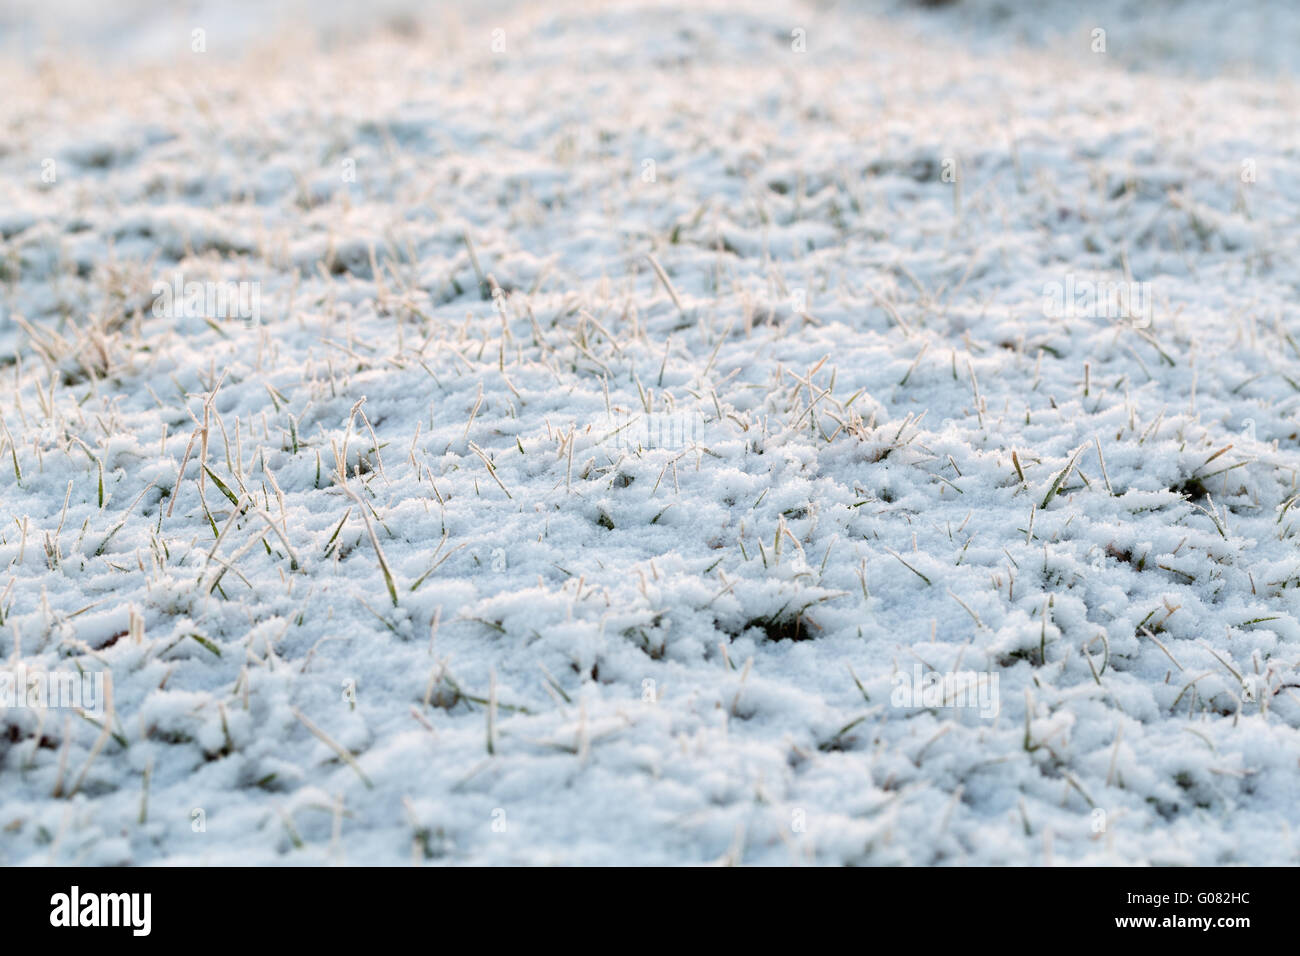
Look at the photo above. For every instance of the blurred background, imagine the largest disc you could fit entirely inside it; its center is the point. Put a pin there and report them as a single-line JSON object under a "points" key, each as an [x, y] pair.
{"points": [[1197, 37]]}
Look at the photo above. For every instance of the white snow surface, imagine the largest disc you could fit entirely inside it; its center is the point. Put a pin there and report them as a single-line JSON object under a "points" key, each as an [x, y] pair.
{"points": [[605, 654]]}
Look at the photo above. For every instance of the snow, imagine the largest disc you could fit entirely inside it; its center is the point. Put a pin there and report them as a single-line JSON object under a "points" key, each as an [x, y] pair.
{"points": [[677, 642]]}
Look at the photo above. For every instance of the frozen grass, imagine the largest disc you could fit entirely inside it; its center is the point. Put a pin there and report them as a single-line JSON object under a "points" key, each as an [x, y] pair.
{"points": [[384, 578]]}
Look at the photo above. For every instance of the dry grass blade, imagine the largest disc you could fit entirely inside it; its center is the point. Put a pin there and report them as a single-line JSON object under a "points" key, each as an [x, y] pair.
{"points": [[374, 541], [1062, 476], [333, 745]]}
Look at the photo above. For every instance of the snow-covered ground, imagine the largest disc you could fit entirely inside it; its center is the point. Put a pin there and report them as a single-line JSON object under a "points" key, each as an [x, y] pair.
{"points": [[392, 570]]}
